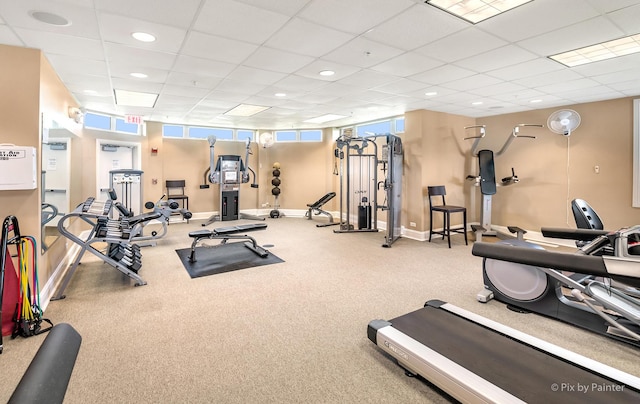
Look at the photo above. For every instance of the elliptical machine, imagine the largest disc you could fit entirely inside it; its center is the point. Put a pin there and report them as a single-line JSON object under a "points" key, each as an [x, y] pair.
{"points": [[530, 279]]}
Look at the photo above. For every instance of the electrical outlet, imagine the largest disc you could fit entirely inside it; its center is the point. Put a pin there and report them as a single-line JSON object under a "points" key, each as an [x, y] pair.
{"points": [[596, 169], [412, 224]]}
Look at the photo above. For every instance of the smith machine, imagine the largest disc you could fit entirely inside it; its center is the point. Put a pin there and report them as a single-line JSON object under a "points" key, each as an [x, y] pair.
{"points": [[359, 185], [486, 178], [230, 171]]}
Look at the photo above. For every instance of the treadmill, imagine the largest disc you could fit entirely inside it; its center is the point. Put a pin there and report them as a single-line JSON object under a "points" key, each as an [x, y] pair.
{"points": [[477, 360]]}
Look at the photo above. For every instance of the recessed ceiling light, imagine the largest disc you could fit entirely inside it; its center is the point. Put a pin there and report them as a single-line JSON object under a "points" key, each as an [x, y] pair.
{"points": [[477, 10], [246, 110], [325, 118], [431, 93], [327, 73], [280, 94], [601, 51], [535, 101], [139, 75], [50, 18], [143, 37], [476, 103], [90, 92], [135, 99]]}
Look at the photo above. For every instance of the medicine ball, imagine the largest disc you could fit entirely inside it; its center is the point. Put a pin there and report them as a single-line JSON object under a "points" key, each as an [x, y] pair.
{"points": [[276, 165], [276, 173], [275, 181], [274, 214], [275, 191]]}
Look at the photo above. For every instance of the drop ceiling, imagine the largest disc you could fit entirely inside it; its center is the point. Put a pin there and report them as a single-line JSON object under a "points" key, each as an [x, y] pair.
{"points": [[387, 55]]}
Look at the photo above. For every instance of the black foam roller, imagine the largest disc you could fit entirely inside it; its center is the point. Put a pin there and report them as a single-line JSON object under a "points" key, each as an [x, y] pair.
{"points": [[47, 377]]}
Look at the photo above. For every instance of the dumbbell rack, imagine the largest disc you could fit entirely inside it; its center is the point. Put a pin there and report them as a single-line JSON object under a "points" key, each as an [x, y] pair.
{"points": [[120, 252]]}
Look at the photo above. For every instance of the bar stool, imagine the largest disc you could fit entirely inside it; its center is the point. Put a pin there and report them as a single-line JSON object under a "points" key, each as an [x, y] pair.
{"points": [[447, 210]]}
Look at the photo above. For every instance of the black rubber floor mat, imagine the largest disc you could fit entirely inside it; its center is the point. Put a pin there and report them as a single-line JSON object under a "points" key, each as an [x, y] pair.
{"points": [[222, 258]]}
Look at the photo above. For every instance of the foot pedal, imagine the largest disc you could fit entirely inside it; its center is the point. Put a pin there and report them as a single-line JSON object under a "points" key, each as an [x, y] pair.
{"points": [[484, 296]]}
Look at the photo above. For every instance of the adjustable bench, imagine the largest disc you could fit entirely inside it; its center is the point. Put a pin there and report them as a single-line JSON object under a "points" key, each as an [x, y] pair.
{"points": [[229, 233], [316, 208]]}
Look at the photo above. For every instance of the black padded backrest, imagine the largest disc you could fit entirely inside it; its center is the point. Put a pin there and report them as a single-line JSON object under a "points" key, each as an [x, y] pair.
{"points": [[487, 172], [585, 216]]}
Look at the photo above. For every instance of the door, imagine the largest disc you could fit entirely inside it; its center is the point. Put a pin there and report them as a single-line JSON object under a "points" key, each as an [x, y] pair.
{"points": [[117, 155]]}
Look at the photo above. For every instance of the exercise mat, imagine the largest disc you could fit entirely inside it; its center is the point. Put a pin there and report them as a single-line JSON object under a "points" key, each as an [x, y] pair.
{"points": [[222, 258]]}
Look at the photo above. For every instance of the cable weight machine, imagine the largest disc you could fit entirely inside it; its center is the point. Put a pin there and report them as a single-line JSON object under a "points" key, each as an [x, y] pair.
{"points": [[360, 160], [229, 171]]}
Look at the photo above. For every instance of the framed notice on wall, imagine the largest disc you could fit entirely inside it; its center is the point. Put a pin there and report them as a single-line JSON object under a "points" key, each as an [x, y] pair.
{"points": [[17, 167]]}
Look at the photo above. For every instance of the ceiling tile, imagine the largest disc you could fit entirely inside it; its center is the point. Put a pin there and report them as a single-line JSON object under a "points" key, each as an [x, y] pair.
{"points": [[497, 58], [254, 75], [313, 69], [306, 38], [443, 74], [627, 18], [243, 22], [368, 79], [118, 29], [363, 52], [407, 64], [174, 13], [192, 80], [139, 57], [277, 60], [204, 67], [416, 27], [287, 7], [217, 48], [355, 16], [62, 44], [536, 18], [585, 33], [526, 69], [462, 44]]}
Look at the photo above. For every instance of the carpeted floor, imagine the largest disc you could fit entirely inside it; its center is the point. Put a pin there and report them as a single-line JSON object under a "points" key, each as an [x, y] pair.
{"points": [[295, 333]]}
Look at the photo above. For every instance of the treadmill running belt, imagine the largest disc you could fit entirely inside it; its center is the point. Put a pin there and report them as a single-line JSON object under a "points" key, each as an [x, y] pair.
{"points": [[494, 357]]}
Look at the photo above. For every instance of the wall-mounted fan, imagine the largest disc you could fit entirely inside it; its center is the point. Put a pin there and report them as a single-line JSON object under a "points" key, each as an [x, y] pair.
{"points": [[563, 121], [266, 139]]}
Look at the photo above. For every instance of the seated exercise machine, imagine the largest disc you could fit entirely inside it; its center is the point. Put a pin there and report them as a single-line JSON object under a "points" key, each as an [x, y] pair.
{"points": [[119, 235], [229, 233], [316, 209], [486, 178], [530, 279], [477, 360], [230, 172]]}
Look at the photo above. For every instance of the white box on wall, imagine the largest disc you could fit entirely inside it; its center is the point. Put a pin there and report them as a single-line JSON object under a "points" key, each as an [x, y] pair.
{"points": [[18, 167]]}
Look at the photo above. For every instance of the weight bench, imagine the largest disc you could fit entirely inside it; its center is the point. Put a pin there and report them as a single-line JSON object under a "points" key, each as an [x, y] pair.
{"points": [[229, 233], [316, 208]]}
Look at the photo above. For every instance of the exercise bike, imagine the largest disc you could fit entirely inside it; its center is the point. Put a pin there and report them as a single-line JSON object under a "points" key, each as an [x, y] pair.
{"points": [[597, 293]]}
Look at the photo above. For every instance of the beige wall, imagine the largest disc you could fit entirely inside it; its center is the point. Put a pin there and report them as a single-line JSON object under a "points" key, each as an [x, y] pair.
{"points": [[20, 117], [30, 87], [553, 169]]}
